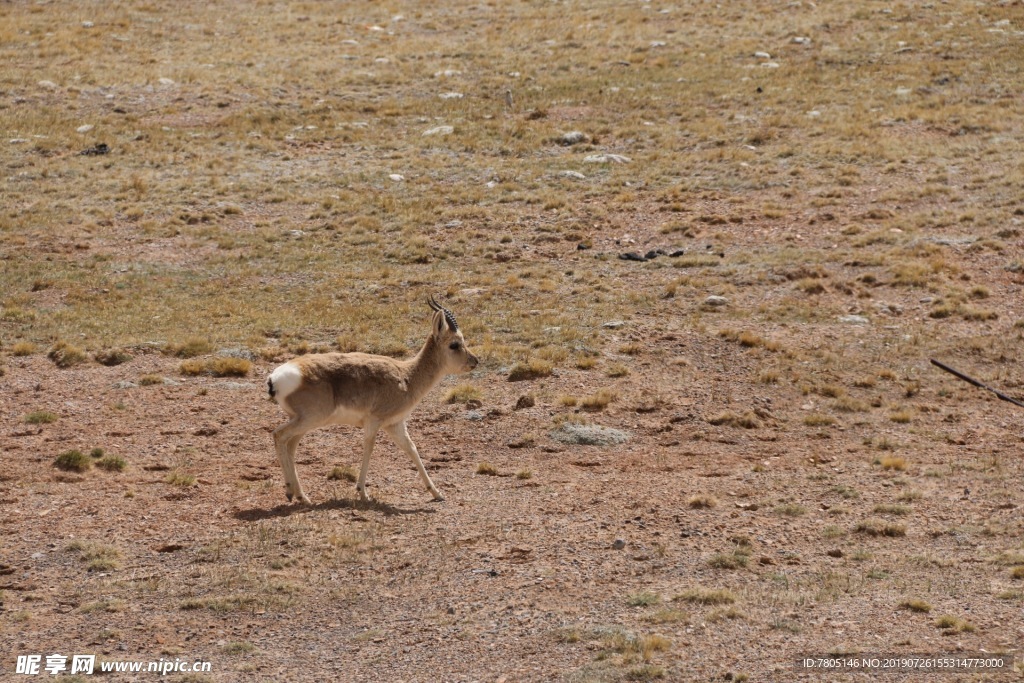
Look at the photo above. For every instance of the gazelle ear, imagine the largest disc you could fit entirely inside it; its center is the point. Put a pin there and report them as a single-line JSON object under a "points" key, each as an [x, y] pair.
{"points": [[439, 323]]}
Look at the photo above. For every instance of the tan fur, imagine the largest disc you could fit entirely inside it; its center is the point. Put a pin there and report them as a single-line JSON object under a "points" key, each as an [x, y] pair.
{"points": [[368, 391]]}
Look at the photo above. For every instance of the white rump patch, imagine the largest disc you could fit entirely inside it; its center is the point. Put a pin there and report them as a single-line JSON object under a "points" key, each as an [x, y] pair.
{"points": [[286, 379]]}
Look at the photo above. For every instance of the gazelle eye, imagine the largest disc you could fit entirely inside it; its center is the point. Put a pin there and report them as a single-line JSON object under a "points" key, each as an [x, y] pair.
{"points": [[454, 346]]}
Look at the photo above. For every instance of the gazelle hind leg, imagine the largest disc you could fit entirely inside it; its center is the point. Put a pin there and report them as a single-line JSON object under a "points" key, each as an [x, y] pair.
{"points": [[400, 434], [286, 440]]}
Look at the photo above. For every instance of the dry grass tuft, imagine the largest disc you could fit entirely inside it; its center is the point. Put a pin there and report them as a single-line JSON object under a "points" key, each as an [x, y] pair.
{"points": [[217, 367], [112, 357], [598, 400], [343, 473], [190, 348], [534, 368], [463, 393], [892, 462], [728, 418], [706, 596], [878, 527], [916, 606], [702, 502], [64, 355], [73, 461]]}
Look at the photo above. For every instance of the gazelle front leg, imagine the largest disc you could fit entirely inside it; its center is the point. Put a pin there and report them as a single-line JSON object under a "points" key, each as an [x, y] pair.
{"points": [[400, 434], [369, 437]]}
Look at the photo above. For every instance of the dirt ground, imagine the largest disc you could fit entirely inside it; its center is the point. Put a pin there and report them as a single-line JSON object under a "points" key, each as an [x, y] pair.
{"points": [[508, 579]]}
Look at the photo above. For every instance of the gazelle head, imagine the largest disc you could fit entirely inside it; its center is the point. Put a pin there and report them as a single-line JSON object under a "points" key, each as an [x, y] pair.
{"points": [[448, 337]]}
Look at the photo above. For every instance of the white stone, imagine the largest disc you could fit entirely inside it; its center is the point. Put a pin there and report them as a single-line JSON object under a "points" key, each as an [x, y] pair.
{"points": [[853, 319], [439, 130], [397, 177], [762, 55], [716, 301], [606, 158], [575, 175], [49, 85], [451, 96], [85, 128]]}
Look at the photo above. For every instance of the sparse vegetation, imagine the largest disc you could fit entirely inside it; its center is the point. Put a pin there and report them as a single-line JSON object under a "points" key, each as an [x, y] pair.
{"points": [[343, 473], [463, 393], [180, 478], [112, 463], [702, 501], [97, 556], [64, 355], [707, 596], [487, 468], [876, 527], [111, 357], [40, 417], [73, 461], [916, 606], [643, 599], [534, 368], [217, 367]]}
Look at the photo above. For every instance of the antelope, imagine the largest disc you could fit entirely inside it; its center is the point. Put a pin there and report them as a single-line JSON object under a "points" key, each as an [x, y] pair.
{"points": [[364, 390]]}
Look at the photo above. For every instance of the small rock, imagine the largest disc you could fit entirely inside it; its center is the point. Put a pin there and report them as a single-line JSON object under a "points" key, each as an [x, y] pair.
{"points": [[397, 177], [632, 256], [853, 319], [802, 40], [589, 435], [606, 158], [87, 24], [85, 128], [835, 553], [474, 415], [525, 441], [205, 431], [574, 137], [575, 175], [125, 384], [447, 73], [762, 55], [526, 401], [49, 85], [439, 130], [451, 96], [654, 253], [677, 253], [716, 301], [614, 324], [770, 65], [618, 544], [166, 81], [96, 150], [236, 352], [234, 386], [582, 246], [17, 141]]}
